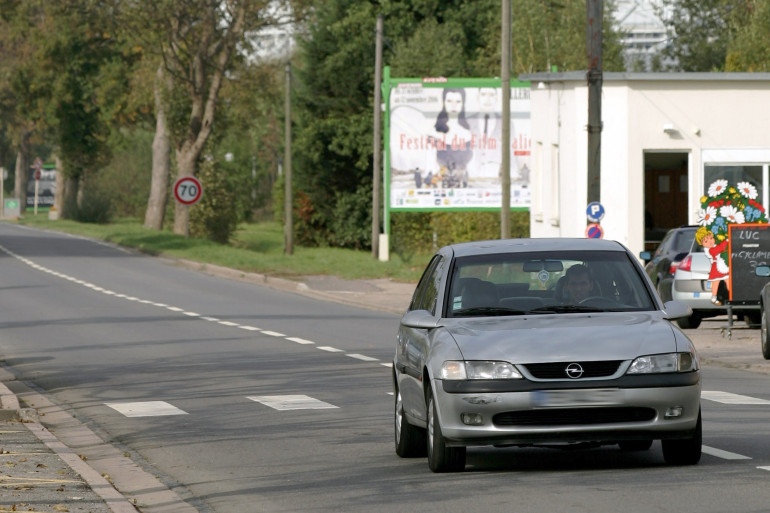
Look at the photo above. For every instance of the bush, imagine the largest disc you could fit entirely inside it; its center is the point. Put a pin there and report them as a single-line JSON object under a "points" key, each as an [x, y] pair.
{"points": [[94, 207], [215, 216]]}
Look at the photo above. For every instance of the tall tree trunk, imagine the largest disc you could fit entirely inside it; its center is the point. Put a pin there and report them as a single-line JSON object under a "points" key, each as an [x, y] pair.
{"points": [[22, 172], [161, 159], [186, 159], [70, 197]]}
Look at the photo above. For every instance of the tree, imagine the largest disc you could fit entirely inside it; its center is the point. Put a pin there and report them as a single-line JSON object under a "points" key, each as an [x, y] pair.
{"points": [[699, 32], [749, 49], [196, 40]]}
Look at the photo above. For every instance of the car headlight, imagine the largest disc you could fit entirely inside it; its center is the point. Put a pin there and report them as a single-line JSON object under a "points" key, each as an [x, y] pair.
{"points": [[459, 370], [660, 363]]}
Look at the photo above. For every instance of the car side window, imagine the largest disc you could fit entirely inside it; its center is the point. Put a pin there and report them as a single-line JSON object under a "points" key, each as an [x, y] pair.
{"points": [[426, 295]]}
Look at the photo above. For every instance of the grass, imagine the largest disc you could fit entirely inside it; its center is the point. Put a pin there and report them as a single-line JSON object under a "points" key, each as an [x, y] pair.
{"points": [[255, 247]]}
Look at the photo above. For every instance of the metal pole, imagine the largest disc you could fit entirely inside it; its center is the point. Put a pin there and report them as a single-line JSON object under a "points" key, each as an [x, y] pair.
{"points": [[594, 46], [288, 228], [376, 157], [505, 171]]}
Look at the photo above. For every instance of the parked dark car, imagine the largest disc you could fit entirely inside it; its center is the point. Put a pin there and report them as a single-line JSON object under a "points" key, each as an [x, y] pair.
{"points": [[764, 305], [661, 265]]}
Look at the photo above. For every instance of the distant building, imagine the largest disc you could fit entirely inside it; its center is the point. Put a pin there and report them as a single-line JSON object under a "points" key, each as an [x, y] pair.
{"points": [[644, 34]]}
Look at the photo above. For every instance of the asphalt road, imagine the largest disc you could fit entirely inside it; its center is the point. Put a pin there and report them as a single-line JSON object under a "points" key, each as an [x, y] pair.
{"points": [[243, 398]]}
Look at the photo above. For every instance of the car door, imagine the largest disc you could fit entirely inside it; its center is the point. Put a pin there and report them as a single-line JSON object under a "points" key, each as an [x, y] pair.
{"points": [[414, 343]]}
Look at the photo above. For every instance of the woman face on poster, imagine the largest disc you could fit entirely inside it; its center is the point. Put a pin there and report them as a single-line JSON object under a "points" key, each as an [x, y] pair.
{"points": [[452, 110]]}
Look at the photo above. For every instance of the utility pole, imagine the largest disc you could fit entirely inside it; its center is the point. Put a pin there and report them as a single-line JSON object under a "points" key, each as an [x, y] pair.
{"points": [[376, 157], [505, 75], [288, 227], [594, 46]]}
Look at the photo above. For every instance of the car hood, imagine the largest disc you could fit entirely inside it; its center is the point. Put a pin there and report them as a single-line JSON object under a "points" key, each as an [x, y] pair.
{"points": [[555, 338]]}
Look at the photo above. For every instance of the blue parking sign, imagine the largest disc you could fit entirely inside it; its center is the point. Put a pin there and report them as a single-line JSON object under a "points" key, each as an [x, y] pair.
{"points": [[595, 212]]}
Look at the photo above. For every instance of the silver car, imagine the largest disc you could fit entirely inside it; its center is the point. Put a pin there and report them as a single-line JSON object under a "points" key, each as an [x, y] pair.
{"points": [[499, 348]]}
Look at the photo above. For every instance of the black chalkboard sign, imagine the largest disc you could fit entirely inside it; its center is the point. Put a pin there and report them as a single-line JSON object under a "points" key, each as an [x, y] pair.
{"points": [[749, 247]]}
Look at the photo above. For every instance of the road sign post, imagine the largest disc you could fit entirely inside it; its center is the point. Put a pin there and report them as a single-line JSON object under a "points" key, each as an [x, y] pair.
{"points": [[187, 191], [37, 165]]}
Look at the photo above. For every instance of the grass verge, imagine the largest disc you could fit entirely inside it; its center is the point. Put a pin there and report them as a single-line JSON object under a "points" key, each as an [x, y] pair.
{"points": [[255, 247]]}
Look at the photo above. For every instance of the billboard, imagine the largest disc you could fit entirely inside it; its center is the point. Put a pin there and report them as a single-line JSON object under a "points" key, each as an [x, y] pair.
{"points": [[444, 144]]}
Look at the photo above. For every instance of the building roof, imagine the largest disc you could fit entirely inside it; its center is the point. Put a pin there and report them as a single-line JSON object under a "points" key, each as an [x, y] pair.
{"points": [[619, 76]]}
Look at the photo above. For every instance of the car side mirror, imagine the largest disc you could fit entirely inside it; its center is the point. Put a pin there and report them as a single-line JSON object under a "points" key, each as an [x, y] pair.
{"points": [[646, 256], [420, 319], [763, 271], [676, 310]]}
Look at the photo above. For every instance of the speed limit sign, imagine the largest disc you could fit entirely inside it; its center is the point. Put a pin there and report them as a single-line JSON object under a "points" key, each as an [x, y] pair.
{"points": [[187, 190]]}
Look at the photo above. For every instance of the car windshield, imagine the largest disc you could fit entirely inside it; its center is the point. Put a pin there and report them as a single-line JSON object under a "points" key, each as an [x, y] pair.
{"points": [[545, 283]]}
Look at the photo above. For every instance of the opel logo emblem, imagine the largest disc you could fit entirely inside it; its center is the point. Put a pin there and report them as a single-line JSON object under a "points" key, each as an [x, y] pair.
{"points": [[574, 370]]}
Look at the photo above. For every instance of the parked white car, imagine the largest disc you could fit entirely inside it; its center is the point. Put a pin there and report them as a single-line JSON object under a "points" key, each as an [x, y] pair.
{"points": [[692, 287]]}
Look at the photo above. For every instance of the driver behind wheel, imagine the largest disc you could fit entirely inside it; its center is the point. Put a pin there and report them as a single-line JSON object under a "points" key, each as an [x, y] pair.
{"points": [[579, 284]]}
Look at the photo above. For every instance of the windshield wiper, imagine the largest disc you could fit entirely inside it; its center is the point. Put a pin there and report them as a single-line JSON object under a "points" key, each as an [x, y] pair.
{"points": [[479, 311], [569, 309]]}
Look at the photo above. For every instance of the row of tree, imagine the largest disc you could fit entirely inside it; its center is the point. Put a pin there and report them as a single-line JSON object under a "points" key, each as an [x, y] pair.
{"points": [[128, 95]]}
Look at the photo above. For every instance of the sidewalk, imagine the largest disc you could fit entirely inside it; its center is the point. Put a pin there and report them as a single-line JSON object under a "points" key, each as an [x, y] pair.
{"points": [[40, 471]]}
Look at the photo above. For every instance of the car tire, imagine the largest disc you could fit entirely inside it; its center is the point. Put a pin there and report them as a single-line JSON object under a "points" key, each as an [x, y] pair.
{"points": [[765, 335], [410, 440], [689, 323], [635, 445], [684, 451], [440, 457]]}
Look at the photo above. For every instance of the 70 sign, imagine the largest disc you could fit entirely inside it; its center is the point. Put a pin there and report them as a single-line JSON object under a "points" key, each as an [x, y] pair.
{"points": [[187, 190]]}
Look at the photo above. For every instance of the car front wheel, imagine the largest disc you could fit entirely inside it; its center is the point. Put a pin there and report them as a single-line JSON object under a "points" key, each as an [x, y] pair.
{"points": [[440, 457], [764, 334], [410, 440], [689, 323], [685, 451]]}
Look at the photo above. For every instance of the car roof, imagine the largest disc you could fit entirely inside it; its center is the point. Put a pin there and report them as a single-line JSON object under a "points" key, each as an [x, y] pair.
{"points": [[526, 245]]}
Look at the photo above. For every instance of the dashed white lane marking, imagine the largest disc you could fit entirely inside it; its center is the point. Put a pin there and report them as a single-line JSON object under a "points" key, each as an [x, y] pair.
{"points": [[763, 468], [146, 409], [388, 364], [362, 357], [300, 340], [276, 334], [291, 402], [725, 455], [728, 398]]}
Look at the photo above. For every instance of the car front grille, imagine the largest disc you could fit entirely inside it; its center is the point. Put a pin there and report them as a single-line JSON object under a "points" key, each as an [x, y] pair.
{"points": [[559, 370], [573, 416]]}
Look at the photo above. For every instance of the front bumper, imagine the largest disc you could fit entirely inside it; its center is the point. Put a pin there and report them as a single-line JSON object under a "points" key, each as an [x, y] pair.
{"points": [[600, 414]]}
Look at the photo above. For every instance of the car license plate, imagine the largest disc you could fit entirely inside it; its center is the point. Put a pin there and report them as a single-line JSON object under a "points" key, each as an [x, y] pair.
{"points": [[587, 397]]}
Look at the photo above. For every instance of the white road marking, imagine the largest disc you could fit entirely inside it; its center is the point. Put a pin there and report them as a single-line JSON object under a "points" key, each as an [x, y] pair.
{"points": [[273, 333], [728, 398], [300, 340], [763, 468], [212, 319], [291, 402], [249, 328], [175, 309], [146, 409], [719, 453], [362, 357], [192, 314], [228, 323], [330, 349], [389, 365]]}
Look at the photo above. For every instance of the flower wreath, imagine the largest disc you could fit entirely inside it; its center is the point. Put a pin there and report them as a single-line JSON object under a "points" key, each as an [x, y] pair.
{"points": [[727, 205]]}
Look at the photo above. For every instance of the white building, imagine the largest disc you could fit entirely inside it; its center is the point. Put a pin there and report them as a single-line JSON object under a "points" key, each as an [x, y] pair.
{"points": [[666, 137]]}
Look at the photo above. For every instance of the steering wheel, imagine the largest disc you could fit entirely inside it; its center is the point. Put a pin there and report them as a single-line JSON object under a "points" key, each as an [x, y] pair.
{"points": [[598, 301]]}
